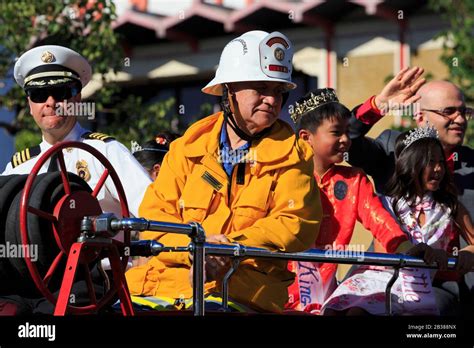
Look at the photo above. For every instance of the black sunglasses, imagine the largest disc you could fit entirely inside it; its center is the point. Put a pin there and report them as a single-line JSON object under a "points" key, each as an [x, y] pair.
{"points": [[40, 95]]}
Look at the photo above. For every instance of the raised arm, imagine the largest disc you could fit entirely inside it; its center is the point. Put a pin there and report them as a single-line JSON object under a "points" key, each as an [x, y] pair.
{"points": [[375, 156]]}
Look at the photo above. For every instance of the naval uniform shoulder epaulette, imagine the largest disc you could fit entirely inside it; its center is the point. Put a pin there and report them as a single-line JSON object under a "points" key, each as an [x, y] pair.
{"points": [[25, 155], [98, 136]]}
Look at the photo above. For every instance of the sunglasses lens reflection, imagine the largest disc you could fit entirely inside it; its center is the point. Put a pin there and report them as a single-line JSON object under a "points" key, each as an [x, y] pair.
{"points": [[40, 95]]}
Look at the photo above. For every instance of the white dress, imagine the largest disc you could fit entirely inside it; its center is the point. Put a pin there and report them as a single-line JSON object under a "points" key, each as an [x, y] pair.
{"points": [[412, 293]]}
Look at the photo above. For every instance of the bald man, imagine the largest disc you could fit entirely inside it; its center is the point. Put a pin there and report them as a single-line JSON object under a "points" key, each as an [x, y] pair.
{"points": [[440, 103]]}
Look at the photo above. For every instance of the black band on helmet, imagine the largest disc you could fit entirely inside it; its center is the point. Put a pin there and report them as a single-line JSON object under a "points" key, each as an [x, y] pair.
{"points": [[285, 97]]}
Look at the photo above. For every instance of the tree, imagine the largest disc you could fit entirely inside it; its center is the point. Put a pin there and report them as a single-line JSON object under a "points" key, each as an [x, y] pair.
{"points": [[86, 27], [458, 53], [83, 25], [134, 120]]}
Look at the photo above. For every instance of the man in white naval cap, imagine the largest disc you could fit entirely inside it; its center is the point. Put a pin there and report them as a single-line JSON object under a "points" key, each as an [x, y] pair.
{"points": [[52, 77]]}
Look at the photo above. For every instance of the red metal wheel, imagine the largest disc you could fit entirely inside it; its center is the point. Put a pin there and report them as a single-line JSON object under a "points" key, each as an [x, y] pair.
{"points": [[65, 220]]}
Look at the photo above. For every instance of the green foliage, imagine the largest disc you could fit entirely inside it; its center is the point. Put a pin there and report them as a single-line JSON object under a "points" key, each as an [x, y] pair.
{"points": [[131, 120], [29, 134], [206, 109], [469, 138], [84, 26], [459, 56], [27, 139]]}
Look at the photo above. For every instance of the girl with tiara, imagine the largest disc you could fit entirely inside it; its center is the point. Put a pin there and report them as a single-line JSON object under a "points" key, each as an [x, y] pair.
{"points": [[151, 154], [422, 198]]}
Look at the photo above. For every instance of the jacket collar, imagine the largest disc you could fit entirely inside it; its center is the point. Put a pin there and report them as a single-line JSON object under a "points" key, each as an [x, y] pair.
{"points": [[323, 179], [73, 135], [276, 150], [203, 136]]}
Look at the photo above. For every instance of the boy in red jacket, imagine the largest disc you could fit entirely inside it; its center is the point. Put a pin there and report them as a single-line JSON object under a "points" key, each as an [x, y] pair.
{"points": [[347, 196]]}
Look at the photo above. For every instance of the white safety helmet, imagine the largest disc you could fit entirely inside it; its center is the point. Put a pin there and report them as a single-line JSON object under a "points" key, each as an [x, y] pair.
{"points": [[254, 56]]}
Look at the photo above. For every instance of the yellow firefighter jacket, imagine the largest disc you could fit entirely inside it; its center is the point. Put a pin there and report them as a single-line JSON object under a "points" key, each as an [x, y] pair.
{"points": [[274, 205]]}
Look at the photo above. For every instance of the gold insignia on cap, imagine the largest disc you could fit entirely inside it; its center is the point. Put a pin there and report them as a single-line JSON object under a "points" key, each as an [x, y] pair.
{"points": [[47, 57], [83, 170]]}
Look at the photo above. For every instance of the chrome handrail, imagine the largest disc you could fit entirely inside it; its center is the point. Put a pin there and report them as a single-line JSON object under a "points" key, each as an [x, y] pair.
{"points": [[199, 248], [397, 261], [319, 255]]}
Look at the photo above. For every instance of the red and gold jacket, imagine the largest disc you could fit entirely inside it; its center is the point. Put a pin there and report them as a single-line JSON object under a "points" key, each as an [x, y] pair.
{"points": [[347, 196]]}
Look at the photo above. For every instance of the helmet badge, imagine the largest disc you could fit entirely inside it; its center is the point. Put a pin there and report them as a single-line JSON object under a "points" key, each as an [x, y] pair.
{"points": [[279, 54]]}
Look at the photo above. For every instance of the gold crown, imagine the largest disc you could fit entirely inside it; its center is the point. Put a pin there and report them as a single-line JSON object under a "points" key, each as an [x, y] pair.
{"points": [[328, 95]]}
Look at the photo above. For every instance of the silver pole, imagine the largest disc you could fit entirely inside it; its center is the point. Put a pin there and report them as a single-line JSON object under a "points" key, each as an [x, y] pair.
{"points": [[317, 255], [225, 283], [140, 224], [197, 246], [199, 249]]}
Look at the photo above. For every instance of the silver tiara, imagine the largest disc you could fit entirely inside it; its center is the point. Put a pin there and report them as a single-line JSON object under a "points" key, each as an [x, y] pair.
{"points": [[135, 147], [420, 133]]}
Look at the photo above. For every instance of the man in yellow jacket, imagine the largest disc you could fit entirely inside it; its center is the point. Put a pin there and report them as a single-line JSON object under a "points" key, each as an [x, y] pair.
{"points": [[243, 175]]}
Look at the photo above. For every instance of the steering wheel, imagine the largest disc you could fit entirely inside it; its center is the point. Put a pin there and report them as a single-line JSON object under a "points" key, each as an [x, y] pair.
{"points": [[64, 220]]}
